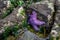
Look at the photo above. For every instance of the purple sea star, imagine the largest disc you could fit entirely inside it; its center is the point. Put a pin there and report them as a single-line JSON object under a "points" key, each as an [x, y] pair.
{"points": [[34, 21]]}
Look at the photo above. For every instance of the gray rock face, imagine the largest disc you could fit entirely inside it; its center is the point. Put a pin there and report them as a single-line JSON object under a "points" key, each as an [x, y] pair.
{"points": [[42, 8], [30, 36], [11, 19]]}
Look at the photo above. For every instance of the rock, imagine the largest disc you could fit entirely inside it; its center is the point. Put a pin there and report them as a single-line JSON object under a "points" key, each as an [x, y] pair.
{"points": [[41, 8], [11, 19], [27, 35]]}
